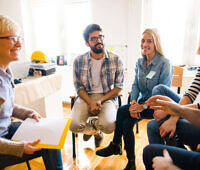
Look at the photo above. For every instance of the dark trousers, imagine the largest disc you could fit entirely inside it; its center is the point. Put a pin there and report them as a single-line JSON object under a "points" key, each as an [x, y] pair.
{"points": [[51, 157], [124, 127], [182, 158]]}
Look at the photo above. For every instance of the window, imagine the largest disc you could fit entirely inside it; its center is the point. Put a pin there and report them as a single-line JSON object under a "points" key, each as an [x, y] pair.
{"points": [[55, 27], [178, 24]]}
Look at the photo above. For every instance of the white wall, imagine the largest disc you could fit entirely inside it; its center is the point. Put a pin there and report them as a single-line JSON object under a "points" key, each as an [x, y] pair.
{"points": [[119, 19], [13, 9], [121, 24], [113, 17]]}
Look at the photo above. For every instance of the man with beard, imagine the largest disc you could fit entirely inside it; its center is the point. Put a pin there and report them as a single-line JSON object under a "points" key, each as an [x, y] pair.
{"points": [[98, 79]]}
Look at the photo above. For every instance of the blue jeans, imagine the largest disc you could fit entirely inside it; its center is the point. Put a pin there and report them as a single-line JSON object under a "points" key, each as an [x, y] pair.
{"points": [[51, 157], [182, 158], [124, 127], [187, 133]]}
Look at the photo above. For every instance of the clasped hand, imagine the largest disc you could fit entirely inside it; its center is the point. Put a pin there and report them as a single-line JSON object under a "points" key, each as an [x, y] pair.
{"points": [[135, 109], [95, 107]]}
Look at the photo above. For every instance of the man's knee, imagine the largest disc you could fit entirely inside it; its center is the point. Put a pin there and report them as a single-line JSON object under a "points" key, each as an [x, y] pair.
{"points": [[157, 90], [107, 128], [76, 127]]}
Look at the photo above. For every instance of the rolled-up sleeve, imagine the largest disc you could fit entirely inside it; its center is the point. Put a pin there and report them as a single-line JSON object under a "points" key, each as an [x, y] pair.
{"points": [[135, 90], [77, 76], [119, 75], [194, 89]]}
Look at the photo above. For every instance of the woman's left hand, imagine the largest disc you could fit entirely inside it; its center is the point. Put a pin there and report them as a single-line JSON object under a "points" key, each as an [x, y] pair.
{"points": [[135, 110], [136, 107], [36, 116]]}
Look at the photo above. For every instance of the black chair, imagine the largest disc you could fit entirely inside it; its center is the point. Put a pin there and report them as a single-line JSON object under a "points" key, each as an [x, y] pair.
{"points": [[76, 135], [21, 161]]}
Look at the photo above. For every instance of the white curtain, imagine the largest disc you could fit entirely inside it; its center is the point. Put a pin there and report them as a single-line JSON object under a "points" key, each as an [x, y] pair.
{"points": [[178, 24]]}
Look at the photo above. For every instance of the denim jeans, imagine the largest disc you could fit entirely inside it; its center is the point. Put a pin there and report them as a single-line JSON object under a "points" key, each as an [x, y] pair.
{"points": [[124, 127], [51, 157], [187, 133], [166, 91], [182, 158]]}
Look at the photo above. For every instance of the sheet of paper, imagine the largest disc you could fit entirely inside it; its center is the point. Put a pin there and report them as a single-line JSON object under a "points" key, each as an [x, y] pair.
{"points": [[48, 130]]}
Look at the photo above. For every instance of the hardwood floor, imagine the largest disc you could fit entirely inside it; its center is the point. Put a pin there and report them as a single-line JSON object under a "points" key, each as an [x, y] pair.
{"points": [[86, 157]]}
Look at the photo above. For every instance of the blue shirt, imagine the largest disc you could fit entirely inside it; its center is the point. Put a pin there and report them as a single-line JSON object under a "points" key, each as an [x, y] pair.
{"points": [[7, 93], [111, 75], [142, 86]]}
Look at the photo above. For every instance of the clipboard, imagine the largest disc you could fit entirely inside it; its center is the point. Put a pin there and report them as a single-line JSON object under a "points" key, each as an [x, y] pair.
{"points": [[1, 101], [51, 131]]}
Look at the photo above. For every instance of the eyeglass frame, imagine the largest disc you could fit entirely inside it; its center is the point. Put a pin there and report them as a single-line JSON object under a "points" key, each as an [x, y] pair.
{"points": [[15, 39], [95, 39]]}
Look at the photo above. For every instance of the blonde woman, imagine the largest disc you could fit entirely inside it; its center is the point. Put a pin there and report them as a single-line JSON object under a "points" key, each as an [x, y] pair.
{"points": [[151, 69], [16, 152]]}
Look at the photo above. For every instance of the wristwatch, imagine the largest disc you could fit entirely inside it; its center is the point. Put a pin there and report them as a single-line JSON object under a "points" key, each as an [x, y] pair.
{"points": [[145, 106]]}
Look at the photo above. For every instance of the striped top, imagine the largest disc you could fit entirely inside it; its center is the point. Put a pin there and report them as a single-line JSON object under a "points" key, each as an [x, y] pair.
{"points": [[194, 88]]}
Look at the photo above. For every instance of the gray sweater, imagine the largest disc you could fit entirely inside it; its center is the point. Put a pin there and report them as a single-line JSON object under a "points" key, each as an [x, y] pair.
{"points": [[9, 147]]}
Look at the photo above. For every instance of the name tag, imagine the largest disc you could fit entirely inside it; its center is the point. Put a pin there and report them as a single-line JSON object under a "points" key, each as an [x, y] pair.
{"points": [[150, 75]]}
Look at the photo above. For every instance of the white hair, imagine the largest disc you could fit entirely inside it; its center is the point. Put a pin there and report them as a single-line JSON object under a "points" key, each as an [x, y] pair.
{"points": [[7, 24]]}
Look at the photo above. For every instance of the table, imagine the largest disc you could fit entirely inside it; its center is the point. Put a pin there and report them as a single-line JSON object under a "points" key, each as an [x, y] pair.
{"points": [[42, 94]]}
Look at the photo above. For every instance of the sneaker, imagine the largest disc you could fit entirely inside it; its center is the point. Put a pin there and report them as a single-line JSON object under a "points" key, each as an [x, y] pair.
{"points": [[130, 165], [111, 149], [91, 121], [86, 137], [98, 138]]}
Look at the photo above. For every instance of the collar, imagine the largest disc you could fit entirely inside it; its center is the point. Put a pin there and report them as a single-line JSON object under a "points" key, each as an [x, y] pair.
{"points": [[6, 74], [105, 55], [155, 60]]}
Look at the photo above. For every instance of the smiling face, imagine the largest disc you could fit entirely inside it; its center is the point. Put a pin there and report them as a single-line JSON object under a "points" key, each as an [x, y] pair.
{"points": [[95, 42], [147, 45], [10, 46]]}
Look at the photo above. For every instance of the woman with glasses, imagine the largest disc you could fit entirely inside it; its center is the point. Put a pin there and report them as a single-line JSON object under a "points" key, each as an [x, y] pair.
{"points": [[151, 69], [16, 152]]}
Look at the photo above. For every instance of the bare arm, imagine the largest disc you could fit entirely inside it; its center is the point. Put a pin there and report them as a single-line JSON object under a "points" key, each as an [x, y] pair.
{"points": [[111, 94], [169, 126], [184, 101], [188, 112], [84, 95]]}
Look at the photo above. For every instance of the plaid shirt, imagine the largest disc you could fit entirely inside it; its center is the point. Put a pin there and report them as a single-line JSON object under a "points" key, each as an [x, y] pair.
{"points": [[112, 72]]}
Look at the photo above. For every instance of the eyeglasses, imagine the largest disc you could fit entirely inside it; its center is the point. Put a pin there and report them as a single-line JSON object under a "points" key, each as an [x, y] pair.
{"points": [[15, 39], [95, 39]]}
